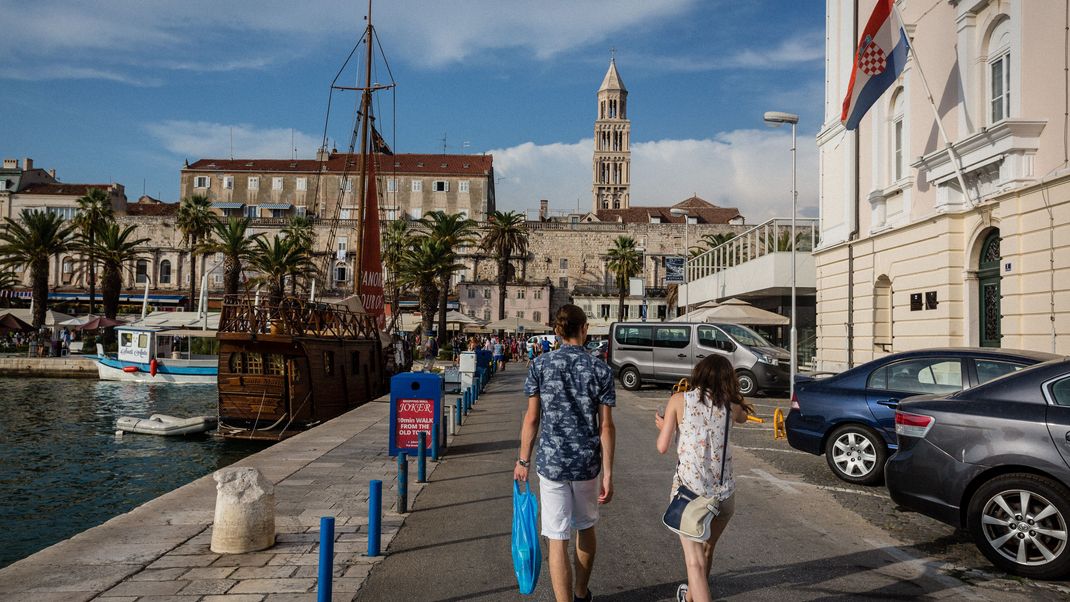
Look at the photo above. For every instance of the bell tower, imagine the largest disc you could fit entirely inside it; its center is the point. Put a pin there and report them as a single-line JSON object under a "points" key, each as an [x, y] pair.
{"points": [[612, 139]]}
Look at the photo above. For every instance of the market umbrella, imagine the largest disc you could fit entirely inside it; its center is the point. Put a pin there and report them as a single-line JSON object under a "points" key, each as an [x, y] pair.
{"points": [[736, 311], [90, 322], [695, 315], [455, 317], [52, 318], [11, 323], [515, 324]]}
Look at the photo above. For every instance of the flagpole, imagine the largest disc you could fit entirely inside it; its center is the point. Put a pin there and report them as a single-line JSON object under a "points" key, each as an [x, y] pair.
{"points": [[955, 162]]}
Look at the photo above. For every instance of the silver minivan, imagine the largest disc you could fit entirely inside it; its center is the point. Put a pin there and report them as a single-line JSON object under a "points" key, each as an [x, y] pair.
{"points": [[665, 352]]}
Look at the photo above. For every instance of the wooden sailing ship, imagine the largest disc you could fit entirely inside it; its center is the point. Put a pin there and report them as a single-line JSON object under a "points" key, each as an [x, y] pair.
{"points": [[287, 365]]}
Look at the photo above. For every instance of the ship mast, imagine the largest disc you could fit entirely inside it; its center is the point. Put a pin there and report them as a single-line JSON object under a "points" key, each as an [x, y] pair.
{"points": [[364, 115], [365, 111]]}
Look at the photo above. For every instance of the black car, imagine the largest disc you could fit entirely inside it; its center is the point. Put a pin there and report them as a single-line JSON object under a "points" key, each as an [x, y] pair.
{"points": [[995, 460], [850, 417]]}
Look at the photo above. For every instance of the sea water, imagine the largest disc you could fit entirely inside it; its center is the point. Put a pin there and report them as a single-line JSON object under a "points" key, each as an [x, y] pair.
{"points": [[64, 470]]}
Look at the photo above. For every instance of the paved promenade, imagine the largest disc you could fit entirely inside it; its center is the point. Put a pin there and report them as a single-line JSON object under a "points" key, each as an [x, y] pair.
{"points": [[783, 544]]}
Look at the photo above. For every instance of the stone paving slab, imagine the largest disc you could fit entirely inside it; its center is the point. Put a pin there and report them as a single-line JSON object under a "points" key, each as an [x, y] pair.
{"points": [[160, 550]]}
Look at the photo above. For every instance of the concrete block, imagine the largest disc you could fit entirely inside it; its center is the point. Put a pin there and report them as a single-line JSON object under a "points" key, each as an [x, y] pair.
{"points": [[244, 511]]}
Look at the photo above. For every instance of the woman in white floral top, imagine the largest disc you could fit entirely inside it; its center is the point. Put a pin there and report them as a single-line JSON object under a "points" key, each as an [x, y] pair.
{"points": [[701, 417]]}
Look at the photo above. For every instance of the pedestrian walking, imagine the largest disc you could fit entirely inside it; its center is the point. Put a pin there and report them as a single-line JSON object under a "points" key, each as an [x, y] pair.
{"points": [[499, 354], [570, 410], [704, 460]]}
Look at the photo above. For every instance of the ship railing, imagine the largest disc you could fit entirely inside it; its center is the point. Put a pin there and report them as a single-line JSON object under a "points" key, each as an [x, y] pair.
{"points": [[293, 317]]}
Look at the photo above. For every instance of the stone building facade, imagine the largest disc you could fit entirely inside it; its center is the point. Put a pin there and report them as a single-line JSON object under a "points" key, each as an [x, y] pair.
{"points": [[409, 185], [479, 300], [907, 258]]}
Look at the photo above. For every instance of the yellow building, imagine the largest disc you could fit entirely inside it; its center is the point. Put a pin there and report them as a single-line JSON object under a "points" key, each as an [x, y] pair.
{"points": [[908, 259]]}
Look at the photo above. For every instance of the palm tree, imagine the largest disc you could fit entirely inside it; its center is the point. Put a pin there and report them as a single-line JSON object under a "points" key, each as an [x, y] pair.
{"points": [[301, 231], [395, 241], [31, 241], [115, 249], [421, 267], [455, 230], [195, 221], [625, 260], [94, 209], [233, 241], [506, 236], [717, 239], [8, 281], [276, 260]]}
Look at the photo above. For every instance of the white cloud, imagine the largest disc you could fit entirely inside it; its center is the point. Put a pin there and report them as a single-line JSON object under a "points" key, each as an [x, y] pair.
{"points": [[202, 140], [801, 49], [746, 169], [211, 35]]}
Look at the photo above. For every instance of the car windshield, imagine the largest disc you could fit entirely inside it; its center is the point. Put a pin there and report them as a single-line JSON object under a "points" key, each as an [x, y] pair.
{"points": [[745, 336]]}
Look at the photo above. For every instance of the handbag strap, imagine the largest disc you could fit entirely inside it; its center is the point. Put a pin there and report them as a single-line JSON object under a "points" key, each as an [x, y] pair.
{"points": [[724, 451]]}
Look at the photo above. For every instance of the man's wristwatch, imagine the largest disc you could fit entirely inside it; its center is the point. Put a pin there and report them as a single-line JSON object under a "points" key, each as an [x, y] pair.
{"points": [[523, 463]]}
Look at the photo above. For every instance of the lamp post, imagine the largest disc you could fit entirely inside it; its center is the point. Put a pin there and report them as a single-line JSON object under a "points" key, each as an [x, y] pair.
{"points": [[775, 118], [687, 281]]}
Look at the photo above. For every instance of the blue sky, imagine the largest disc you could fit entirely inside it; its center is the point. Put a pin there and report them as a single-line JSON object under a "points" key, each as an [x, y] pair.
{"points": [[125, 90]]}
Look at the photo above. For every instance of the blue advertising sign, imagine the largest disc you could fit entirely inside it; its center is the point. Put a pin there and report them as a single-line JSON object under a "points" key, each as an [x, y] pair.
{"points": [[674, 270], [415, 407]]}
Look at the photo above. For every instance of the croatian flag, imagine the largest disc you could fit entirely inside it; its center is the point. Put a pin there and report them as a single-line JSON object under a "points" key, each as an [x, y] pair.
{"points": [[879, 59]]}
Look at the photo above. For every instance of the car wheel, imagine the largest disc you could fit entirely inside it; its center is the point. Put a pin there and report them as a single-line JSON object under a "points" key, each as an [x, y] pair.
{"points": [[1019, 522], [748, 385], [629, 379], [856, 454]]}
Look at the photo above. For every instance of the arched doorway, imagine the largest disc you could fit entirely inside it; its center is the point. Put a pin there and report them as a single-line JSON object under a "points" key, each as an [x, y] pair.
{"points": [[988, 293]]}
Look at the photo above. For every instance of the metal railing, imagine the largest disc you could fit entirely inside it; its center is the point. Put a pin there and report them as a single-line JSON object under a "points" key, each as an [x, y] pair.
{"points": [[294, 317], [773, 236]]}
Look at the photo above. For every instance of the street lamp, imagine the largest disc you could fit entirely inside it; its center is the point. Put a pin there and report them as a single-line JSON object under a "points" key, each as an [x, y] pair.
{"points": [[687, 284], [775, 118]]}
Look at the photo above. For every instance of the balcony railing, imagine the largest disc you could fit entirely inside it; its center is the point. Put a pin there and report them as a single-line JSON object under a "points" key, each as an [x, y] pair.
{"points": [[773, 236]]}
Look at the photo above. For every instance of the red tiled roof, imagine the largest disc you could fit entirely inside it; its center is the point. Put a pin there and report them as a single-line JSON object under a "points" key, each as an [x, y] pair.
{"points": [[407, 163], [704, 211], [59, 188], [152, 209]]}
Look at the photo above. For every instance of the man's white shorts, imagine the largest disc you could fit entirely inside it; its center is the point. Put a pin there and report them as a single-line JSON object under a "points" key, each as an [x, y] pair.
{"points": [[568, 505]]}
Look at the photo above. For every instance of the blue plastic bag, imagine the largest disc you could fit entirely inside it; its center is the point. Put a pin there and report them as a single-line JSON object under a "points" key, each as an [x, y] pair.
{"points": [[527, 557]]}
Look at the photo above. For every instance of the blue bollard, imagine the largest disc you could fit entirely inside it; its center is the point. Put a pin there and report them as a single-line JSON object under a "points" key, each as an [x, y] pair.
{"points": [[421, 457], [435, 430], [403, 483], [375, 517], [457, 413], [326, 559]]}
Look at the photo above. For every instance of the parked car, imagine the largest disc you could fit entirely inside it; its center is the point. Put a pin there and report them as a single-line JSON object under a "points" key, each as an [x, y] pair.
{"points": [[599, 349], [642, 352], [995, 460], [850, 417]]}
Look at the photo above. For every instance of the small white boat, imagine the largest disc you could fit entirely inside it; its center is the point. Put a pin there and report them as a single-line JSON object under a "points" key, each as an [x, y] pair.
{"points": [[161, 424], [165, 347]]}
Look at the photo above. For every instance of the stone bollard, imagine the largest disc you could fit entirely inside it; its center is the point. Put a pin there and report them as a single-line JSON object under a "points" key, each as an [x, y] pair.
{"points": [[244, 511]]}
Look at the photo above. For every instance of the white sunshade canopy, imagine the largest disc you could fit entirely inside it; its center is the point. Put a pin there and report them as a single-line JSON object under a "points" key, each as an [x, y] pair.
{"points": [[734, 311]]}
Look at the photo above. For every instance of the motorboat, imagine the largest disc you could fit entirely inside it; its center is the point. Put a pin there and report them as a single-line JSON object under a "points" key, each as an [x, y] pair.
{"points": [[164, 425], [176, 347]]}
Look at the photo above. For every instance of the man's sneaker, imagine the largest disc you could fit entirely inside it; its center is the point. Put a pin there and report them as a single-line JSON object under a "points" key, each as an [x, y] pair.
{"points": [[589, 597], [681, 593]]}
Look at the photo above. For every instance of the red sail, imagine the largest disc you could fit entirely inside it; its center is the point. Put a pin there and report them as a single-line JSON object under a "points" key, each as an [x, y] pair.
{"points": [[371, 270]]}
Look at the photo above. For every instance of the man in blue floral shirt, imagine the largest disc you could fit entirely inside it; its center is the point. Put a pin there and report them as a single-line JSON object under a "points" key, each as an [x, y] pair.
{"points": [[570, 396]]}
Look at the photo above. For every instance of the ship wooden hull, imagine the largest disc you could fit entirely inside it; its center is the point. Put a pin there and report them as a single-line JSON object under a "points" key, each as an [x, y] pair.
{"points": [[272, 386]]}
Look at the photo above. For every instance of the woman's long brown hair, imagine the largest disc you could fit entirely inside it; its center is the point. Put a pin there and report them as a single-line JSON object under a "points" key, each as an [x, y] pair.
{"points": [[716, 381]]}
